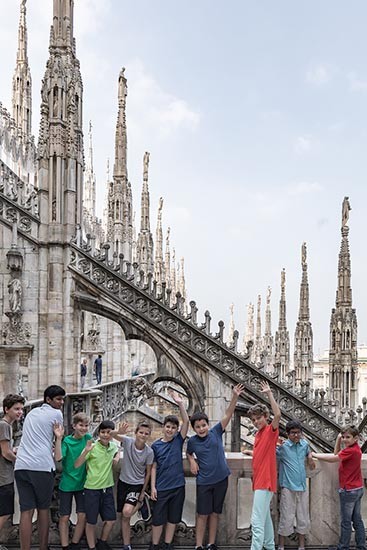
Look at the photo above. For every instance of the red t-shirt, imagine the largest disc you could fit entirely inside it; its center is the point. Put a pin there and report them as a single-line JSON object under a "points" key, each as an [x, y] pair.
{"points": [[350, 475], [264, 464]]}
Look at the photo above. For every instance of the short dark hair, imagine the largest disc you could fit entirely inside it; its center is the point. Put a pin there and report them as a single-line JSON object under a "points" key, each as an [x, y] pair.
{"points": [[172, 418], [11, 399], [293, 425], [52, 392], [106, 425], [258, 410], [198, 416], [352, 430], [143, 424]]}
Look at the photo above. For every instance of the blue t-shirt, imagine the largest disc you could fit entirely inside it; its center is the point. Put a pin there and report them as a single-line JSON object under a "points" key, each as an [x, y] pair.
{"points": [[291, 458], [168, 456], [210, 455]]}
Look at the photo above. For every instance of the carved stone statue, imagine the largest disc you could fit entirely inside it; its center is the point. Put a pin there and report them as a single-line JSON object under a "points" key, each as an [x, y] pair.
{"points": [[146, 165], [15, 295], [304, 253], [345, 211], [160, 205]]}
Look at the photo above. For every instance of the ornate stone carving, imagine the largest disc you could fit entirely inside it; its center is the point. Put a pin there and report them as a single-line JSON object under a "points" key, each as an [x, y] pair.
{"points": [[16, 331]]}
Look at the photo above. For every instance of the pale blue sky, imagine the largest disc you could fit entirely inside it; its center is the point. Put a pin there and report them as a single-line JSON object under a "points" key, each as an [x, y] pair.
{"points": [[255, 116]]}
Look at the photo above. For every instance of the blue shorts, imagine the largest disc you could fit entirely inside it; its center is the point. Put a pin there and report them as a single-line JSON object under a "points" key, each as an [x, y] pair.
{"points": [[99, 501], [210, 498], [168, 506], [66, 501]]}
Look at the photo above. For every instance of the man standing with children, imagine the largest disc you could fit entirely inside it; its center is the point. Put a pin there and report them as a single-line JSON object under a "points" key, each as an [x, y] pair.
{"points": [[154, 474]]}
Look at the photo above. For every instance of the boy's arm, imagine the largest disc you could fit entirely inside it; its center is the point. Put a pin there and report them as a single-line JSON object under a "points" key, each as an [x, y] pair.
{"points": [[83, 457], [153, 479], [247, 452], [194, 466], [310, 461], [121, 432], [184, 416], [265, 388], [231, 407], [326, 458], [148, 471], [59, 434], [6, 450], [338, 444]]}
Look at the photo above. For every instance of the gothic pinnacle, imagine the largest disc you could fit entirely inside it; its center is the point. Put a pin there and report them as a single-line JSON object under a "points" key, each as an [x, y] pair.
{"points": [[22, 80]]}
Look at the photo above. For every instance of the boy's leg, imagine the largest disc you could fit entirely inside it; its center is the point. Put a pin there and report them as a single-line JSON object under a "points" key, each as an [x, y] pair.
{"points": [[157, 533], [347, 503], [287, 515], [260, 508], [25, 529], [358, 524], [175, 502], [43, 524], [268, 527], [92, 504], [90, 535], [200, 529], [64, 530], [213, 526], [302, 517], [81, 517], [107, 512], [6, 503], [65, 502], [106, 530], [169, 532]]}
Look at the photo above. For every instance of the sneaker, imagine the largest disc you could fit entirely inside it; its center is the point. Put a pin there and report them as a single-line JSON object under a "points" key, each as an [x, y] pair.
{"points": [[211, 547], [153, 546], [199, 548], [145, 511], [168, 546], [102, 545], [126, 547]]}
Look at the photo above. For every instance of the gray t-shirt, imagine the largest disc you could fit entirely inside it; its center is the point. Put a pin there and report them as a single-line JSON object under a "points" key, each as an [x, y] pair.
{"points": [[134, 462], [6, 466], [35, 449]]}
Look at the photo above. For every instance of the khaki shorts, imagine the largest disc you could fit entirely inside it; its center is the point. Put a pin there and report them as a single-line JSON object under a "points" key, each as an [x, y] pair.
{"points": [[293, 509]]}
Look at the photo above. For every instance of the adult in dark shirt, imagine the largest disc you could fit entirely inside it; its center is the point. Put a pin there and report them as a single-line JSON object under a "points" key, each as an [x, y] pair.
{"points": [[98, 368]]}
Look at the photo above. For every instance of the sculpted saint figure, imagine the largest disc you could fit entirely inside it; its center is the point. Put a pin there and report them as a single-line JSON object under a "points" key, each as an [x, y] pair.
{"points": [[15, 295], [146, 165], [345, 211]]}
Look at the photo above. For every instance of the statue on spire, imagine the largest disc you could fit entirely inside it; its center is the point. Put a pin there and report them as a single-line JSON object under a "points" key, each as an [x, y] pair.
{"points": [[304, 254], [146, 165], [345, 211]]}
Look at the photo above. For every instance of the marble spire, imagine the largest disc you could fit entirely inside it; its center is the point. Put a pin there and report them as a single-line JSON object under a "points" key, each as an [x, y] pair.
{"points": [[22, 80], [268, 340], [303, 336], [343, 365], [144, 248], [282, 334]]}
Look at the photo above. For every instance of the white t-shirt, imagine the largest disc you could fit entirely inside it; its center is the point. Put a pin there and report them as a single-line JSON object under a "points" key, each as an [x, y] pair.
{"points": [[35, 449]]}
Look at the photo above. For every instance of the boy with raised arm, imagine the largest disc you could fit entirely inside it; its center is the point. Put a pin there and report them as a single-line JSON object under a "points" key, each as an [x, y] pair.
{"points": [[98, 487], [13, 411], [168, 479], [134, 477], [350, 486], [211, 470], [264, 469]]}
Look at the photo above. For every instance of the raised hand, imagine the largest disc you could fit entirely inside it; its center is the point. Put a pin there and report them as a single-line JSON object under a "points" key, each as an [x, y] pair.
{"points": [[176, 398], [123, 428], [237, 390], [264, 387], [89, 445], [58, 430]]}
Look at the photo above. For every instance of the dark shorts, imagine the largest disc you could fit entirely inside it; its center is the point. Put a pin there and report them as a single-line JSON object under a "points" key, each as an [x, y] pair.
{"points": [[99, 501], [210, 498], [127, 493], [168, 506], [7, 499], [66, 501], [35, 489]]}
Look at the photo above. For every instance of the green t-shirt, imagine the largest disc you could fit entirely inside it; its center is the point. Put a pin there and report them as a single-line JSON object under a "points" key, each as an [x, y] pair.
{"points": [[73, 479], [99, 466]]}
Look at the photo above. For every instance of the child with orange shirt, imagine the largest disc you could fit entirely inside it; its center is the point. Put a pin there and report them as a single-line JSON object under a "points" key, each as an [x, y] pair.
{"points": [[264, 468]]}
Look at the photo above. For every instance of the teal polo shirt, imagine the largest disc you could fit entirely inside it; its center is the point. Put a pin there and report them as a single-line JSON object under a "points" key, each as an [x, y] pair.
{"points": [[291, 459]]}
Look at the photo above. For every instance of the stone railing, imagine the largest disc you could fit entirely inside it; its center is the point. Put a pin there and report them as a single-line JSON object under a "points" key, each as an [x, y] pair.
{"points": [[235, 522]]}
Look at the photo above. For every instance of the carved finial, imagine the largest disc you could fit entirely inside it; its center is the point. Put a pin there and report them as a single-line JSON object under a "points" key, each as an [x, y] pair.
{"points": [[268, 295], [160, 205], [283, 280], [345, 211]]}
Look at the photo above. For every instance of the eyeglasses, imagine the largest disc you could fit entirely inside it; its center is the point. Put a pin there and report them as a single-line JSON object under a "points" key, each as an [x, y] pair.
{"points": [[295, 432]]}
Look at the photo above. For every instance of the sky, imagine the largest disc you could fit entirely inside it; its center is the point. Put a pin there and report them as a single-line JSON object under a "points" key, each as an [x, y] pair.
{"points": [[255, 115]]}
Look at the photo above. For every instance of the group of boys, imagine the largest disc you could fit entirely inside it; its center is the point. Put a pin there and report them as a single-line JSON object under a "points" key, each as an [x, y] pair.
{"points": [[87, 475]]}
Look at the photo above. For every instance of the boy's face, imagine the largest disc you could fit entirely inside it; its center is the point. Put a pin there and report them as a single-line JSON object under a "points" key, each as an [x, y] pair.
{"points": [[201, 427], [80, 429], [295, 435], [142, 434], [105, 436], [56, 402], [259, 421], [349, 439], [169, 430], [15, 412]]}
